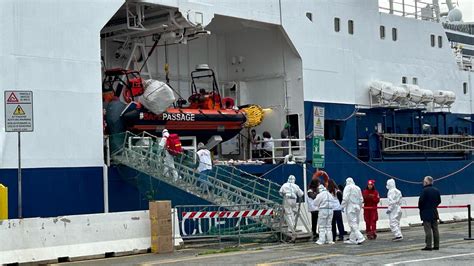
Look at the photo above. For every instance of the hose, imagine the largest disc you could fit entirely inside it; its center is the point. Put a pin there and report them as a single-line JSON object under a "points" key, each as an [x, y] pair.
{"points": [[254, 114]]}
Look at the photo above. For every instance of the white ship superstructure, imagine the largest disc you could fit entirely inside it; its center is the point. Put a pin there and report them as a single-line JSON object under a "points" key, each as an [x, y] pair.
{"points": [[286, 56]]}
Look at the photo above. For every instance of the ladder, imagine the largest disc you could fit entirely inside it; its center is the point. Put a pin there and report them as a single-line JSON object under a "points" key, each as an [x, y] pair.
{"points": [[226, 185]]}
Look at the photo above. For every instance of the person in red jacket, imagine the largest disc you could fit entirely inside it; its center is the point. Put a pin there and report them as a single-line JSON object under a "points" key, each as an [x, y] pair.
{"points": [[371, 199]]}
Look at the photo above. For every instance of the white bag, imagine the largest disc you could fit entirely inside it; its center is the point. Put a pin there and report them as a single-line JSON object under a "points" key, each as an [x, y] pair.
{"points": [[158, 96]]}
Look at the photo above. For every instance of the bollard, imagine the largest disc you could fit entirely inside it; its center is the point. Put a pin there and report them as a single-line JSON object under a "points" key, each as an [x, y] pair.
{"points": [[3, 202], [469, 223]]}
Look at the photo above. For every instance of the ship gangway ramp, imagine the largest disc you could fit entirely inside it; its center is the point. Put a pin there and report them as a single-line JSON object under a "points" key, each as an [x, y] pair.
{"points": [[227, 185]]}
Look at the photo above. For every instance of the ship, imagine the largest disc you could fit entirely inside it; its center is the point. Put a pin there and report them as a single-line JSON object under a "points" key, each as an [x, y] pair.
{"points": [[367, 89]]}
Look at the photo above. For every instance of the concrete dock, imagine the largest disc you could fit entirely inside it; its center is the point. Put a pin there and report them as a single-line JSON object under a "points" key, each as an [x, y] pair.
{"points": [[382, 251]]}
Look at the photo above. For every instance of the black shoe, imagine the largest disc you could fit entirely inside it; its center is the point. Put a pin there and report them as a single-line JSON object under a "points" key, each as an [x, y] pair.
{"points": [[435, 248], [427, 249], [395, 239]]}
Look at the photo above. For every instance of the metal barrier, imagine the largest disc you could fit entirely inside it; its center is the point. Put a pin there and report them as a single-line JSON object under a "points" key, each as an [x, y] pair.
{"points": [[229, 222], [280, 148], [469, 218], [416, 9], [426, 143]]}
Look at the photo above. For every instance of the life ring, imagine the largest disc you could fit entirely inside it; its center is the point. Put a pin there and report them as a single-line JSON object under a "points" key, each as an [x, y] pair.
{"points": [[228, 103]]}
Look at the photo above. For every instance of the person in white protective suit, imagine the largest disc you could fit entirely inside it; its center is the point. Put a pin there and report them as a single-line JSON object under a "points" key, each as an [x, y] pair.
{"points": [[352, 204], [168, 161], [323, 203], [290, 192], [394, 210]]}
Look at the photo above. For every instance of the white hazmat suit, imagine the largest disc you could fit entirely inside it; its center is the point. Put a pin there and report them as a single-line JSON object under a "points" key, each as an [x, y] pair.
{"points": [[290, 192], [168, 161], [323, 203], [352, 204], [394, 210]]}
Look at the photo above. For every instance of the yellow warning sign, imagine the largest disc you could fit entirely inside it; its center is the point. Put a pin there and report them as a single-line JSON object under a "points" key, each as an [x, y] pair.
{"points": [[318, 122], [19, 111]]}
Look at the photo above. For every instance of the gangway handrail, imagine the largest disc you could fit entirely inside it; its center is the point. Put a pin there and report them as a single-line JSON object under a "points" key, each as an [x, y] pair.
{"points": [[241, 183], [214, 180]]}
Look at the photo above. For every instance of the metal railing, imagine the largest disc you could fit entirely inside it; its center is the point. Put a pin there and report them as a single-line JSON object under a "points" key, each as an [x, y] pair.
{"points": [[225, 185], [465, 62], [280, 148], [416, 9], [426, 143], [229, 222]]}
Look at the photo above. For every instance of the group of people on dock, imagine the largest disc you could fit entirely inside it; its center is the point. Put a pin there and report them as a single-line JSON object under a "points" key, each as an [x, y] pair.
{"points": [[327, 202]]}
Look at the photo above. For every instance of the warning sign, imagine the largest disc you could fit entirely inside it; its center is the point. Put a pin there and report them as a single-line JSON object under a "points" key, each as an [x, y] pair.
{"points": [[18, 111], [12, 98], [318, 137]]}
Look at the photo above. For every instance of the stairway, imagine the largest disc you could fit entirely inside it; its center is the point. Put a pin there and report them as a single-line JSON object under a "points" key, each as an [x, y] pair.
{"points": [[226, 186]]}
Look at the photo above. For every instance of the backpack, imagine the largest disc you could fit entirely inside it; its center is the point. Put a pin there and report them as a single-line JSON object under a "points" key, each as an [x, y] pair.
{"points": [[173, 145]]}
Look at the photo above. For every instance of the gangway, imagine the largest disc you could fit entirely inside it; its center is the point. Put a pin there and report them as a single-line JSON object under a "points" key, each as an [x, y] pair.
{"points": [[227, 185]]}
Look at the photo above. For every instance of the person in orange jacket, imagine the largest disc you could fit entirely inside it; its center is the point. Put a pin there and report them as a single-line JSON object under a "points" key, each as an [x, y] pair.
{"points": [[371, 199]]}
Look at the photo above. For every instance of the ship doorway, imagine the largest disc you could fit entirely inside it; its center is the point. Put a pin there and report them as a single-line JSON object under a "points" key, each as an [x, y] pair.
{"points": [[253, 62]]}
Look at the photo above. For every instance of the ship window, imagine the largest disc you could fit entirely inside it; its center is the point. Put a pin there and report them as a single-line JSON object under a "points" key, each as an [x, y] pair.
{"points": [[464, 87], [394, 34], [337, 24], [350, 25], [382, 32], [334, 129], [309, 15], [415, 81], [404, 80], [440, 41], [433, 40]]}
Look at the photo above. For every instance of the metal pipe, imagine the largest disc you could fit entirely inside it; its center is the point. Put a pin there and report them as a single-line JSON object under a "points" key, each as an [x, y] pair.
{"points": [[469, 223]]}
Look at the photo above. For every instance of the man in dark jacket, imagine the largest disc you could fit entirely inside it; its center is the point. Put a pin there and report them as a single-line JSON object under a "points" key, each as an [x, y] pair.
{"points": [[428, 202]]}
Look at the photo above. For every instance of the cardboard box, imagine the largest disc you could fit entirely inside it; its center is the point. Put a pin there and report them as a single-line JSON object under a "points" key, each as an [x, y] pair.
{"points": [[162, 227], [160, 209], [162, 244]]}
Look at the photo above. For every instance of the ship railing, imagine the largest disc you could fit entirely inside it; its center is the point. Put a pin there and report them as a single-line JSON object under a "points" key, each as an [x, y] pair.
{"points": [[426, 143], [465, 62], [417, 9], [280, 148]]}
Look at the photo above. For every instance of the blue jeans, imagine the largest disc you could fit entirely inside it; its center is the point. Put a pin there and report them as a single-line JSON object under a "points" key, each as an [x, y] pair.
{"points": [[203, 179]]}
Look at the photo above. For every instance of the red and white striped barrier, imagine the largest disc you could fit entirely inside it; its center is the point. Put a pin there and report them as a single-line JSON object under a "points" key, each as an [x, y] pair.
{"points": [[227, 214]]}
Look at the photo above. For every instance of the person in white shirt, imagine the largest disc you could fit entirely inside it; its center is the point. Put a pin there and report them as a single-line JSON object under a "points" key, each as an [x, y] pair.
{"points": [[267, 147], [204, 166], [337, 211]]}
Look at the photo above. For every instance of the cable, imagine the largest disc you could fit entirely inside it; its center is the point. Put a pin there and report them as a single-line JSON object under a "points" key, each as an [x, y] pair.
{"points": [[394, 177]]}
